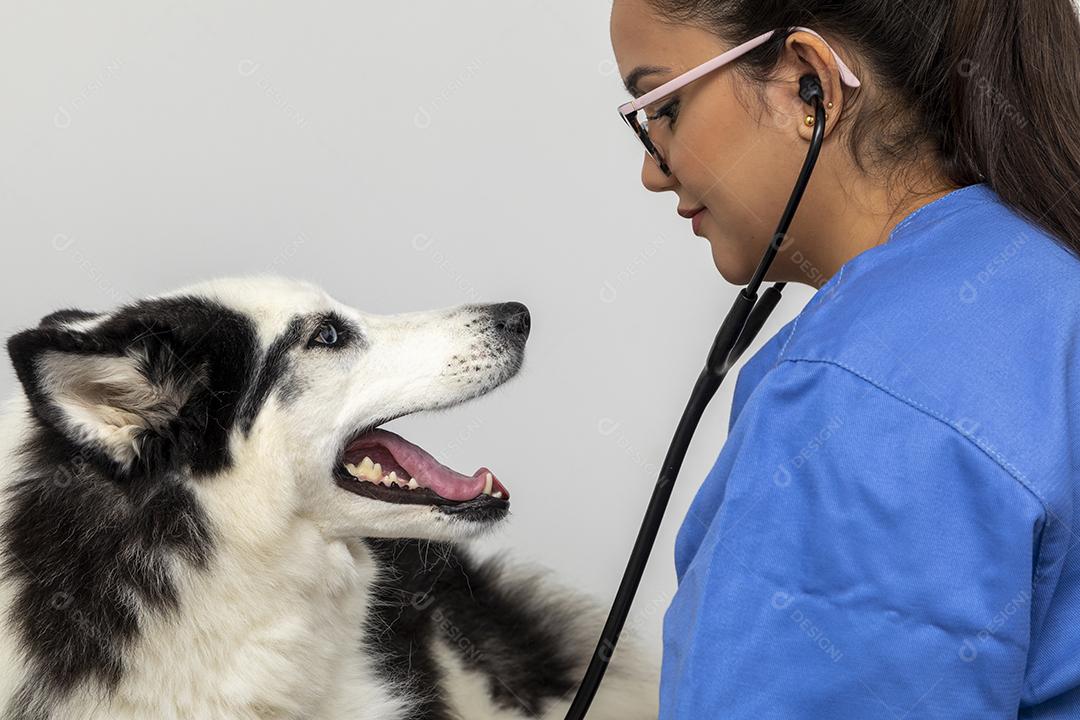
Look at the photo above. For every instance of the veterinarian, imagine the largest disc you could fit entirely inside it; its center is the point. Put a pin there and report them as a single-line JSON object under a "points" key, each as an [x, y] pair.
{"points": [[891, 527]]}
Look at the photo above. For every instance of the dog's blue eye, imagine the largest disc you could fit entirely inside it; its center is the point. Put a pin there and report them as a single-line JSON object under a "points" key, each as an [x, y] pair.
{"points": [[327, 335]]}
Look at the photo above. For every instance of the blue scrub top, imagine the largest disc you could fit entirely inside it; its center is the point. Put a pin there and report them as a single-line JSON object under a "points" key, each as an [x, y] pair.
{"points": [[888, 531]]}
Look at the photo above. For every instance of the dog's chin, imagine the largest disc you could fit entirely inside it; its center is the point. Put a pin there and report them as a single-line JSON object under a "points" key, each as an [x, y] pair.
{"points": [[416, 522], [384, 468]]}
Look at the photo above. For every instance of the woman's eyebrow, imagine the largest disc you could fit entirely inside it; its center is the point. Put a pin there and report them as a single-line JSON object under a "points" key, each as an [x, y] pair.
{"points": [[631, 80]]}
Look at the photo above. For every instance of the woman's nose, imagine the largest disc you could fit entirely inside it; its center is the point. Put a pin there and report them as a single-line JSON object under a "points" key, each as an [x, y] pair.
{"points": [[653, 178]]}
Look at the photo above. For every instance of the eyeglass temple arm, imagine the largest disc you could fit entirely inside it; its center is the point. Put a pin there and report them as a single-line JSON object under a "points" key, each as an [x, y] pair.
{"points": [[846, 75]]}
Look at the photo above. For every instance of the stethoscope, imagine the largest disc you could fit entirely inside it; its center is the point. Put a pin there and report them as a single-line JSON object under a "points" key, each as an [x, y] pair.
{"points": [[742, 324]]}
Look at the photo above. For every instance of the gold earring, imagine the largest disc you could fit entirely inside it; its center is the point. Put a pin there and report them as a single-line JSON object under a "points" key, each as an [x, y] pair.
{"points": [[810, 121], [829, 105]]}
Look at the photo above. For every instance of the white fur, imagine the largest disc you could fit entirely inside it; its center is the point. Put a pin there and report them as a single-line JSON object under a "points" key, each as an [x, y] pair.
{"points": [[274, 627]]}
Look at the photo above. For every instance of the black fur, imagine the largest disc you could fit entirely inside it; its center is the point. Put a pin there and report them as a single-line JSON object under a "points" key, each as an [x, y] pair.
{"points": [[275, 365], [427, 588], [71, 610], [67, 316], [185, 340]]}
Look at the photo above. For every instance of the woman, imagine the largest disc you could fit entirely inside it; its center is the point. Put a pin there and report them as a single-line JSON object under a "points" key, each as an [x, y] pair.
{"points": [[890, 530]]}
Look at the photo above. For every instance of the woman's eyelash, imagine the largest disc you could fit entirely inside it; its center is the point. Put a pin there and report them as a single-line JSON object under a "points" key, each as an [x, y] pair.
{"points": [[670, 111]]}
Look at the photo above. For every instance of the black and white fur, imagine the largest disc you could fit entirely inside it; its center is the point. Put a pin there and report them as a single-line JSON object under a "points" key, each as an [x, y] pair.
{"points": [[173, 543]]}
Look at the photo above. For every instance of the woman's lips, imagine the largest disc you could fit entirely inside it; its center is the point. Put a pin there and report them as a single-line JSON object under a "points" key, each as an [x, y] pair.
{"points": [[695, 216]]}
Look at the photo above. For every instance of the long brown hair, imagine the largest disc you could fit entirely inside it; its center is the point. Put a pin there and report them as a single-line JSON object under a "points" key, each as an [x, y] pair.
{"points": [[992, 84]]}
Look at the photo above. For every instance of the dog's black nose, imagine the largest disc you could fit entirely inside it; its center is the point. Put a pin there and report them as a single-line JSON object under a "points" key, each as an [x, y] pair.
{"points": [[512, 318]]}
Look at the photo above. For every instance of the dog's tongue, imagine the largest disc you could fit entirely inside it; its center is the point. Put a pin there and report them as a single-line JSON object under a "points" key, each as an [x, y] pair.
{"points": [[429, 472]]}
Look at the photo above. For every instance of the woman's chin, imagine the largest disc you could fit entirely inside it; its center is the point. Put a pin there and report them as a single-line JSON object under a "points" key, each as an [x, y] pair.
{"points": [[734, 270]]}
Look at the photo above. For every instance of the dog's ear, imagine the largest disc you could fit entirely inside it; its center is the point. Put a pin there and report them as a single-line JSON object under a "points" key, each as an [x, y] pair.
{"points": [[113, 390]]}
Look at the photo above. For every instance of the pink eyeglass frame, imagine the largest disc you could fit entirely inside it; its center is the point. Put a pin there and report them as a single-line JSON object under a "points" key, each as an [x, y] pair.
{"points": [[630, 108]]}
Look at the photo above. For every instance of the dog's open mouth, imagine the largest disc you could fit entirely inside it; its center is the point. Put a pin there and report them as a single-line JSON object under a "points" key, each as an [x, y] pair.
{"points": [[385, 466]]}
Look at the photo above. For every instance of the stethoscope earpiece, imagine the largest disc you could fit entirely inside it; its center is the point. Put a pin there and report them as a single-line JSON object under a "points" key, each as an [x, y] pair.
{"points": [[809, 88]]}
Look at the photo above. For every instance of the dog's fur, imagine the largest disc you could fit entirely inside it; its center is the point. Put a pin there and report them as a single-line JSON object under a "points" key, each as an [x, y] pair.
{"points": [[176, 542]]}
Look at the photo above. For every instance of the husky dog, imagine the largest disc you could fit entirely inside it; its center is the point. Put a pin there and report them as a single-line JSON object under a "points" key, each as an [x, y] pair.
{"points": [[201, 517]]}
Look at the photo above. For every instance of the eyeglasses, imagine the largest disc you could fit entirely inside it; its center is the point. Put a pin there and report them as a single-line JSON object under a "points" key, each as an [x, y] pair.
{"points": [[635, 112]]}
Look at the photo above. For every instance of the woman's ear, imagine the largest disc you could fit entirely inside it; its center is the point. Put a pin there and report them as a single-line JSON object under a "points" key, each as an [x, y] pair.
{"points": [[106, 394], [808, 54]]}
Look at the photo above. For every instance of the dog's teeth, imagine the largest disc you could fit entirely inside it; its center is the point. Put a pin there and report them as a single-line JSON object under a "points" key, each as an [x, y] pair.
{"points": [[413, 484], [377, 468], [353, 470], [387, 482], [497, 494], [369, 470], [488, 484], [393, 477]]}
